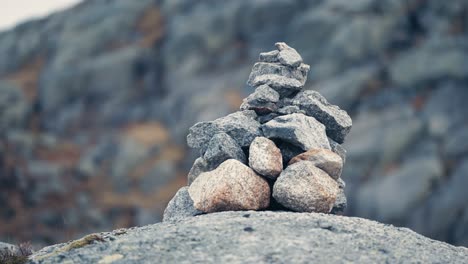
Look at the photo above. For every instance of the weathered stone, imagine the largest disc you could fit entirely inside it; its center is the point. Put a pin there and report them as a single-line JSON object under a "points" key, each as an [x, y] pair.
{"points": [[199, 166], [288, 151], [271, 56], [262, 119], [241, 126], [232, 186], [285, 80], [201, 133], [337, 121], [340, 203], [265, 158], [338, 149], [303, 187], [262, 237], [287, 55], [222, 147], [290, 109], [263, 100], [323, 159], [180, 207], [298, 129]]}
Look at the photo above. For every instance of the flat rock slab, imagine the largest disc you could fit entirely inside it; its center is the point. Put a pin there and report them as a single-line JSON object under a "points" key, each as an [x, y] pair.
{"points": [[298, 129], [261, 237]]}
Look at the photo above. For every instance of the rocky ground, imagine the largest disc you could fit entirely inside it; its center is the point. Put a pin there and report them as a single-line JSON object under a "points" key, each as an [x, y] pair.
{"points": [[257, 237], [96, 102]]}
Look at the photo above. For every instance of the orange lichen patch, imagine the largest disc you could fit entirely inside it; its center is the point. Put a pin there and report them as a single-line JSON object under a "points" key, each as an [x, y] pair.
{"points": [[148, 134], [233, 98], [27, 77], [66, 154], [170, 153], [151, 26]]}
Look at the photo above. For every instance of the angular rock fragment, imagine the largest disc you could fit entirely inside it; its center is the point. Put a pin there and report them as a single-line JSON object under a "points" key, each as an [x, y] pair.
{"points": [[265, 158], [199, 166], [222, 147], [302, 187], [340, 203], [271, 56], [262, 101], [285, 80], [338, 149], [232, 186], [337, 121], [180, 207], [323, 159], [268, 117], [288, 151], [298, 129], [287, 55], [241, 126]]}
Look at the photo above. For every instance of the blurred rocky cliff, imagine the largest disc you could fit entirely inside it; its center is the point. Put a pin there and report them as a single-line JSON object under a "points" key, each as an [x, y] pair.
{"points": [[95, 103]]}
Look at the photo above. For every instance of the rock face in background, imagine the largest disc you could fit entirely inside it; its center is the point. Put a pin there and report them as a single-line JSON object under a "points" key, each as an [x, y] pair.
{"points": [[99, 100], [258, 237]]}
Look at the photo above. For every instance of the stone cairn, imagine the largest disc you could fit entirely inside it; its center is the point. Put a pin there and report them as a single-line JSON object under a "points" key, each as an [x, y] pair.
{"points": [[281, 151]]}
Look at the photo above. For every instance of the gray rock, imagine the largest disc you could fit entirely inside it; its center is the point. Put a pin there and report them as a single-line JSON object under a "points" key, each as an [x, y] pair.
{"points": [[263, 100], [290, 109], [323, 159], [180, 206], [302, 187], [199, 166], [337, 121], [265, 158], [340, 203], [338, 149], [271, 56], [262, 119], [231, 186], [288, 151], [222, 147], [283, 79], [260, 237], [241, 126], [287, 55], [298, 129]]}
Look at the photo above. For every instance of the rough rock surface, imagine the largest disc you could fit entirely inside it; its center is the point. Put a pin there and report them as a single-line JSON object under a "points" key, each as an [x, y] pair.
{"points": [[305, 188], [265, 158], [337, 121], [180, 207], [232, 186], [323, 159], [199, 166], [263, 100], [287, 55], [260, 237], [241, 126], [298, 129], [222, 147]]}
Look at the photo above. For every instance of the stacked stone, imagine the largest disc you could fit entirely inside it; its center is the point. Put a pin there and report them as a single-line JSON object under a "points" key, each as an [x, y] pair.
{"points": [[280, 151]]}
